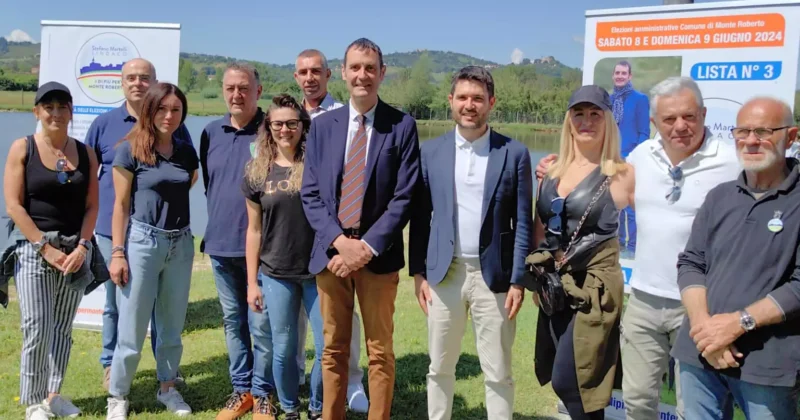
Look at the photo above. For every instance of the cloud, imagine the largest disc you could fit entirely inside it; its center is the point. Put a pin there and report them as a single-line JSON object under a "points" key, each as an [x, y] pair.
{"points": [[517, 55], [18, 35], [579, 39]]}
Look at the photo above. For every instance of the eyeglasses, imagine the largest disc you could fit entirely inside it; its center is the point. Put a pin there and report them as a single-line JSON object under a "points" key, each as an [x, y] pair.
{"points": [[61, 167], [290, 124], [762, 133], [556, 207], [676, 173]]}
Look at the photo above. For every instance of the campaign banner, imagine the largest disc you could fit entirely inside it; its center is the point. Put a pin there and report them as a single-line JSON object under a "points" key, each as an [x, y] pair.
{"points": [[87, 57], [734, 50]]}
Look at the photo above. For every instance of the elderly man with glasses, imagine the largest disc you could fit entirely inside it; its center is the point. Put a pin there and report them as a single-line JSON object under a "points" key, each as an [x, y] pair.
{"points": [[674, 172]]}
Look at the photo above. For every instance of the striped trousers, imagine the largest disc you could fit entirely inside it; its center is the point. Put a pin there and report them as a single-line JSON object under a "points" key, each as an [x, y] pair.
{"points": [[48, 307]]}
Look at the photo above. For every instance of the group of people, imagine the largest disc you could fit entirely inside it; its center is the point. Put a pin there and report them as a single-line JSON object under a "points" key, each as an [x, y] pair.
{"points": [[307, 203]]}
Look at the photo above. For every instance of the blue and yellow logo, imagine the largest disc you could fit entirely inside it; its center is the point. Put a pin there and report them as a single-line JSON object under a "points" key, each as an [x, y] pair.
{"points": [[98, 66]]}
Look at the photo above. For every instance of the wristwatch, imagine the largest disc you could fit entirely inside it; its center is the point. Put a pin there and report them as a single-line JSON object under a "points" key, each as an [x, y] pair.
{"points": [[39, 245], [746, 321], [84, 243]]}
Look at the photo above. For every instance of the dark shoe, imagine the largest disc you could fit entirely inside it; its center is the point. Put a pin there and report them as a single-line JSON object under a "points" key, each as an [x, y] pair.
{"points": [[292, 416], [313, 415]]}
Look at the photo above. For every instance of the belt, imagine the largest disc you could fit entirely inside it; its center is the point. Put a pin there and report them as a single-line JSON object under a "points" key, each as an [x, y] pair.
{"points": [[353, 233]]}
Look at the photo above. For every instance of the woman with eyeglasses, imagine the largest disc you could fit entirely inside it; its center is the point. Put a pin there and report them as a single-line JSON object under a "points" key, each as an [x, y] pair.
{"points": [[51, 197], [279, 242], [153, 249], [578, 204]]}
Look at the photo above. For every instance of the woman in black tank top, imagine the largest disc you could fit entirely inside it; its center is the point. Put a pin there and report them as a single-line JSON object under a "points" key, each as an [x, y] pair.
{"points": [[578, 212], [50, 188]]}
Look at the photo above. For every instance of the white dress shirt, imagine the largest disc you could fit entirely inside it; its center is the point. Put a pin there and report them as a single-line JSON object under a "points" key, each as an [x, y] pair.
{"points": [[664, 228], [327, 104], [352, 129], [472, 159]]}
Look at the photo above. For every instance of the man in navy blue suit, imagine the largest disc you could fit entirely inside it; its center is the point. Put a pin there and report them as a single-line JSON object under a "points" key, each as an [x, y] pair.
{"points": [[361, 169], [470, 234]]}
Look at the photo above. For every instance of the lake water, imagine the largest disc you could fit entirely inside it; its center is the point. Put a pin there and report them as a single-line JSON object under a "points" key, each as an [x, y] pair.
{"points": [[14, 125]]}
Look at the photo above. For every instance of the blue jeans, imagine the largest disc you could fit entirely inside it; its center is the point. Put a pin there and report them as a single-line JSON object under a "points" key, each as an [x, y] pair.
{"points": [[160, 274], [283, 299], [110, 312], [706, 397], [249, 361]]}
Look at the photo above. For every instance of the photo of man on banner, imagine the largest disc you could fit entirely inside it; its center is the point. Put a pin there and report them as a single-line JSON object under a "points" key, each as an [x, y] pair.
{"points": [[631, 110]]}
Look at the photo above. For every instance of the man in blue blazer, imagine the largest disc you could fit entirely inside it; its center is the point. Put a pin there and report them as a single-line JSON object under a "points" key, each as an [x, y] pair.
{"points": [[470, 234], [361, 169], [631, 110]]}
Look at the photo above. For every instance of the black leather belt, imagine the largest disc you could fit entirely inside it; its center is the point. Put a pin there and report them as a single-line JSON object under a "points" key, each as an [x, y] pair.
{"points": [[354, 233]]}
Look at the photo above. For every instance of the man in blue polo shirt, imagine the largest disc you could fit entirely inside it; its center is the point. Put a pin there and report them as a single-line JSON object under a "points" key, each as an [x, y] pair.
{"points": [[105, 132], [226, 146]]}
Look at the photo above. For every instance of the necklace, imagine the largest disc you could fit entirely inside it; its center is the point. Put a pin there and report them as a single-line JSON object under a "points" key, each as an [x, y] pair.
{"points": [[61, 160], [581, 165]]}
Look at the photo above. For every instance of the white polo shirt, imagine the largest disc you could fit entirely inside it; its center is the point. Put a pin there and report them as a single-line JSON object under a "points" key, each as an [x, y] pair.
{"points": [[472, 159], [664, 228]]}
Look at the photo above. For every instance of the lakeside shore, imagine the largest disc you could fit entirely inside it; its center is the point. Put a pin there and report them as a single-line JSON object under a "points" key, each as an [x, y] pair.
{"points": [[207, 107]]}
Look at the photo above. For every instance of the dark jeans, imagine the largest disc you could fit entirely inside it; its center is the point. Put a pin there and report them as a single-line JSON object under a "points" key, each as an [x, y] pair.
{"points": [[565, 378]]}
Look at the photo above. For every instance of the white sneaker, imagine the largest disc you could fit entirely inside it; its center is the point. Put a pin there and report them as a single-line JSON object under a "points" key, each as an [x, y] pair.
{"points": [[117, 408], [174, 402], [38, 412], [357, 398], [62, 407]]}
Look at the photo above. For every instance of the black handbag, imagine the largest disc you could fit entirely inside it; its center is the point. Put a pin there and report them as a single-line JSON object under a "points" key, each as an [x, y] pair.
{"points": [[547, 276]]}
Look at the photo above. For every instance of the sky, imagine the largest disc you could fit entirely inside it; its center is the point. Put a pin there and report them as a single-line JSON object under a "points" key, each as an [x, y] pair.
{"points": [[275, 31]]}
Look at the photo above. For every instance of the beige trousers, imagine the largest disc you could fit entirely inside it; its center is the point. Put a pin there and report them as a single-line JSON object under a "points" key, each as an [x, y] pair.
{"points": [[463, 290]]}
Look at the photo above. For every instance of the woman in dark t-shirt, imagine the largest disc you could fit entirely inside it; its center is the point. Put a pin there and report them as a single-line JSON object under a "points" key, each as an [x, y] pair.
{"points": [[279, 241], [151, 260], [51, 196]]}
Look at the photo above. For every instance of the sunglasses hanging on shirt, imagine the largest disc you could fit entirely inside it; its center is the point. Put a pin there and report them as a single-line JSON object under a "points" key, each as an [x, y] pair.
{"points": [[676, 173]]}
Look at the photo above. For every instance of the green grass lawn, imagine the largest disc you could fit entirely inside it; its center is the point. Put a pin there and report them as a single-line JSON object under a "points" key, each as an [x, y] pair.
{"points": [[205, 365]]}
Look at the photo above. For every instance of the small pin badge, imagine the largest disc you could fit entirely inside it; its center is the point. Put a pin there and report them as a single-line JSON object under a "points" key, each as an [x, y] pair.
{"points": [[775, 225], [253, 149]]}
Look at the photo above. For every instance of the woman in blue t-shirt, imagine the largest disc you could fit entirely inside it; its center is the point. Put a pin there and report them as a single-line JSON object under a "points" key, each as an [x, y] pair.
{"points": [[279, 241], [151, 263]]}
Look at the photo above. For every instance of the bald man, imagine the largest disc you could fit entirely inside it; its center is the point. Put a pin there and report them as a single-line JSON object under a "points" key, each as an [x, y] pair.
{"points": [[740, 280], [104, 133]]}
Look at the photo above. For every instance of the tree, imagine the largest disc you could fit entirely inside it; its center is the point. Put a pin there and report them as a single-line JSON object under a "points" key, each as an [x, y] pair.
{"points": [[419, 92], [187, 76], [3, 45]]}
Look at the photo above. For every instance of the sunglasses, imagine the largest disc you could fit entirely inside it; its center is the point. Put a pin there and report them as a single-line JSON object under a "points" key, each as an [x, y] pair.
{"points": [[555, 222], [290, 124], [61, 167], [676, 173]]}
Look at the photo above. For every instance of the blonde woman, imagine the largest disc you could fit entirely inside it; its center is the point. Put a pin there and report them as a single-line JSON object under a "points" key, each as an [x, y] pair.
{"points": [[577, 208], [279, 242]]}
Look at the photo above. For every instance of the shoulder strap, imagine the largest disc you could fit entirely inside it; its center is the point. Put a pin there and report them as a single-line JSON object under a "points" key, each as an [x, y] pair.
{"points": [[30, 142]]}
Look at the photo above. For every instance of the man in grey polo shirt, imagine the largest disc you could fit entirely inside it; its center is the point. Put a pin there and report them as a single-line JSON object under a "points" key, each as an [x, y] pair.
{"points": [[740, 281], [312, 75]]}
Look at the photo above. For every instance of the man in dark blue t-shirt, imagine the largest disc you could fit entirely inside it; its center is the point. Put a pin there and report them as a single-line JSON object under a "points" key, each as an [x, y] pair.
{"points": [[106, 131], [226, 146]]}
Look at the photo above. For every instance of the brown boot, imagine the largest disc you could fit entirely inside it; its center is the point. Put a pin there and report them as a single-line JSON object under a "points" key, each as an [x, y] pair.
{"points": [[106, 378], [264, 409], [237, 406]]}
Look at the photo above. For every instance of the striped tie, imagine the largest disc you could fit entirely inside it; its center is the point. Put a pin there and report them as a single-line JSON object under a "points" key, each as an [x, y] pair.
{"points": [[353, 180]]}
